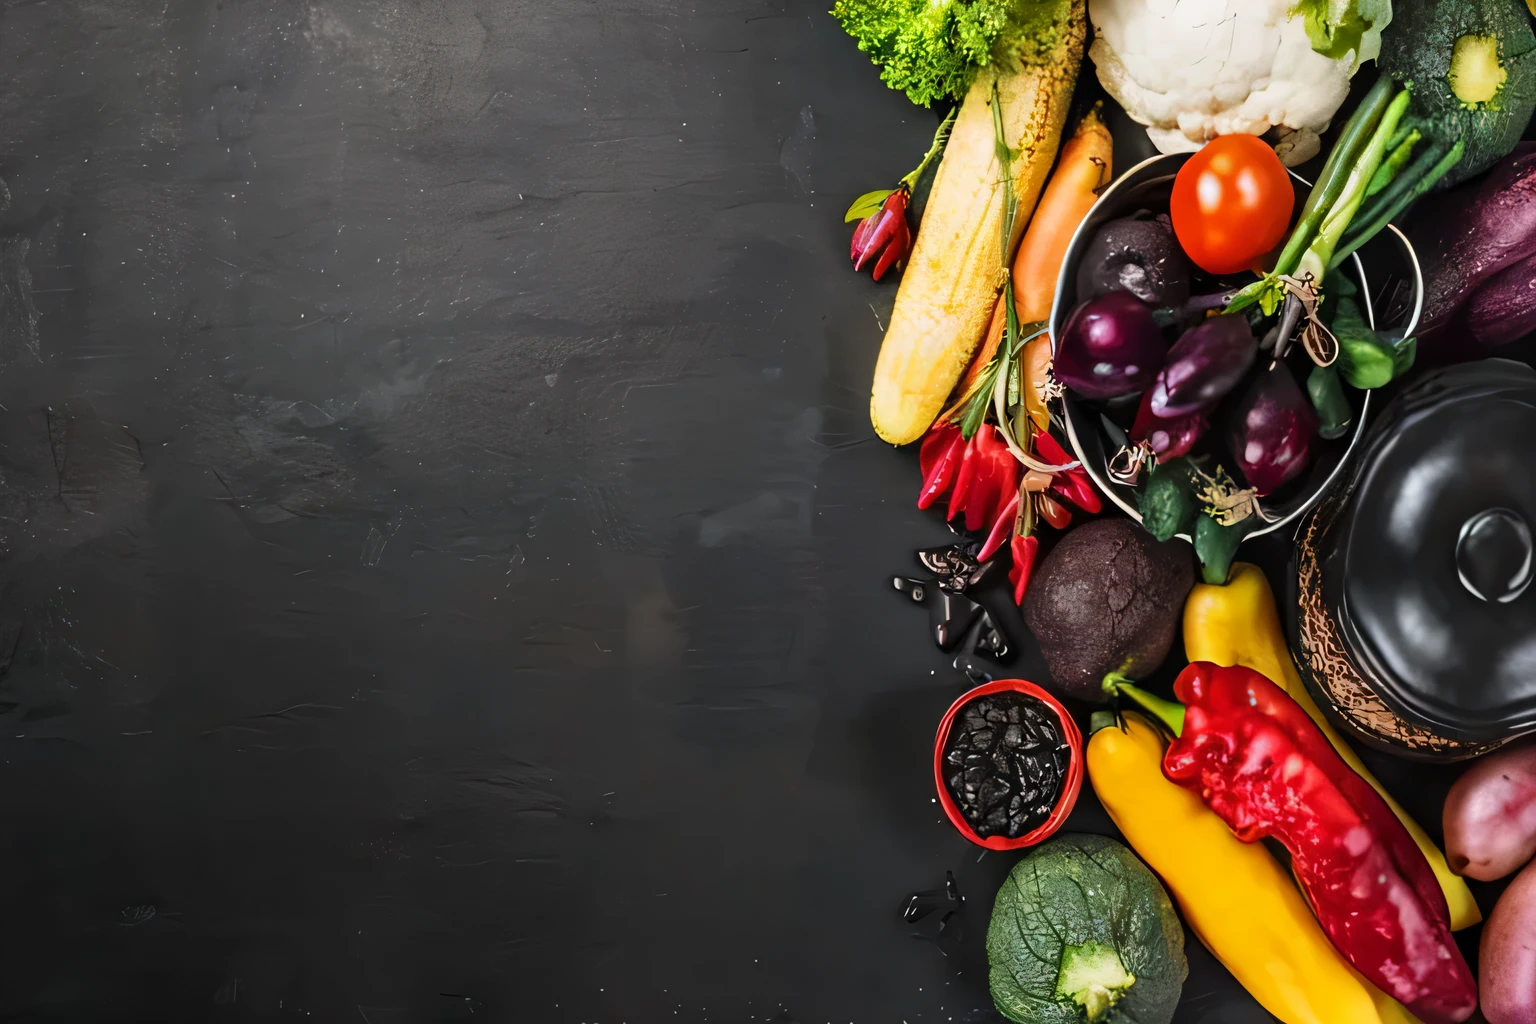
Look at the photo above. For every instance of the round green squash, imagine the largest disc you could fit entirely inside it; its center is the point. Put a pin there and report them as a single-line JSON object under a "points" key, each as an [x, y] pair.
{"points": [[1083, 931]]}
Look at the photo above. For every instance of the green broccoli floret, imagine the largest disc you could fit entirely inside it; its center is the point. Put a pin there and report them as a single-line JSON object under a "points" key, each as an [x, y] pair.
{"points": [[932, 49]]}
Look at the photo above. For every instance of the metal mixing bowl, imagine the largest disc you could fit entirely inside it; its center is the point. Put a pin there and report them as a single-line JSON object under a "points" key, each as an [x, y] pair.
{"points": [[1146, 186]]}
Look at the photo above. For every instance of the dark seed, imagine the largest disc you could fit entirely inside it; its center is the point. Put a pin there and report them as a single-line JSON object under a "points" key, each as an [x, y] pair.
{"points": [[1012, 761]]}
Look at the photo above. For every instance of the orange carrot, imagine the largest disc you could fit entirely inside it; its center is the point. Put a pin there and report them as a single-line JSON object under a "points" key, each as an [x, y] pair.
{"points": [[1083, 169]]}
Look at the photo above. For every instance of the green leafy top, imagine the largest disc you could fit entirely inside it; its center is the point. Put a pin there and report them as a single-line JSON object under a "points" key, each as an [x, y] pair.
{"points": [[1337, 26], [932, 49]]}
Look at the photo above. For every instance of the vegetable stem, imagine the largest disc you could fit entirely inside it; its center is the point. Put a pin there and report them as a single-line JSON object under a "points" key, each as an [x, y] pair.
{"points": [[1393, 163], [1341, 161], [1319, 255], [1169, 712], [1400, 200], [940, 138]]}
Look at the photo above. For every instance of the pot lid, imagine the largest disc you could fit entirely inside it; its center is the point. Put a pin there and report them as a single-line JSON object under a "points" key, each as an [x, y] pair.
{"points": [[1435, 595]]}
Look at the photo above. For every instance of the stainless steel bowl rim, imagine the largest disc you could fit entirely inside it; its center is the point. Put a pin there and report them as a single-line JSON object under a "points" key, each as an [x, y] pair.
{"points": [[1168, 164]]}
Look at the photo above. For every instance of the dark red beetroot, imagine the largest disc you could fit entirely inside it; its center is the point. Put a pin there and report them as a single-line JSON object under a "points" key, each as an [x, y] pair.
{"points": [[1273, 430], [1465, 236], [1208, 361], [1110, 346], [1169, 438]]}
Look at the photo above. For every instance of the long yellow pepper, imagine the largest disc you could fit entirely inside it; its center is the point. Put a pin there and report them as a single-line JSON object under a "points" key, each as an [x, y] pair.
{"points": [[1237, 624], [1235, 896]]}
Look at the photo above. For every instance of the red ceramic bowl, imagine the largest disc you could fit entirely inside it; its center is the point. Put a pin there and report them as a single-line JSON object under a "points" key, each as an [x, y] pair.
{"points": [[1071, 786]]}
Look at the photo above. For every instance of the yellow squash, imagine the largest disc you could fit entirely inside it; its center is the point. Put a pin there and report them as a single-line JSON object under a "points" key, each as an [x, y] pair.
{"points": [[1235, 896], [1237, 624], [955, 273]]}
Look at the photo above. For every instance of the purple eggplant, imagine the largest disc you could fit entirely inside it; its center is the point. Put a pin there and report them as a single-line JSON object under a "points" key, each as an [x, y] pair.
{"points": [[1202, 366], [1466, 236], [1110, 346], [1273, 430], [1169, 438], [1503, 308]]}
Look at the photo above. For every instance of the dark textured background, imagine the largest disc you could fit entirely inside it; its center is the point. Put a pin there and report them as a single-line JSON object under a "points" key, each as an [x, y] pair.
{"points": [[445, 560]]}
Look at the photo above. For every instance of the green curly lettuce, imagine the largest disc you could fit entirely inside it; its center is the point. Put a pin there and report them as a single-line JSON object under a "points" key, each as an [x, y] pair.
{"points": [[932, 49], [1336, 27]]}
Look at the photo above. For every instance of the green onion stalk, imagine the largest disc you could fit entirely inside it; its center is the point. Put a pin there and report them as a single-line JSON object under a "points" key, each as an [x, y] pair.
{"points": [[1371, 176]]}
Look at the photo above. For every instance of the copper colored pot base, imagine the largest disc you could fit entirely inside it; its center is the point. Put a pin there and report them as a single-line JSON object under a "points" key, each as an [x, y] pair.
{"points": [[1338, 687]]}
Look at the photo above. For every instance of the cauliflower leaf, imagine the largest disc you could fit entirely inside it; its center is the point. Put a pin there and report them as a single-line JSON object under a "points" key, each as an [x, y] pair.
{"points": [[1336, 27]]}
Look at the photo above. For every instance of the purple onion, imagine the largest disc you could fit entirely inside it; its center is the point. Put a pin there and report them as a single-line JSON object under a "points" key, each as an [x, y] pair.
{"points": [[1273, 430], [1203, 365], [1110, 346]]}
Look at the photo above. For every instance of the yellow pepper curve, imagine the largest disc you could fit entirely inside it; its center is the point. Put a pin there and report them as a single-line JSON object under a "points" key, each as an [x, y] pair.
{"points": [[1235, 896], [1237, 624]]}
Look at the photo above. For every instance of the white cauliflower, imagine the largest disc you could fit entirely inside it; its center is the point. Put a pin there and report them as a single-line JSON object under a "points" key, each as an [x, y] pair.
{"points": [[1191, 70]]}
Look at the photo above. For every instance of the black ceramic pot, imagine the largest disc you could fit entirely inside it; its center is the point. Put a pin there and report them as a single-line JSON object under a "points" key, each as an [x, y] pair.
{"points": [[1413, 623]]}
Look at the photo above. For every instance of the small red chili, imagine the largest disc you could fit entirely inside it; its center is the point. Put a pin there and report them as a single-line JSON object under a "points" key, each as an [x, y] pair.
{"points": [[884, 232], [988, 477], [939, 459], [1024, 550], [980, 477], [1072, 484], [1053, 513]]}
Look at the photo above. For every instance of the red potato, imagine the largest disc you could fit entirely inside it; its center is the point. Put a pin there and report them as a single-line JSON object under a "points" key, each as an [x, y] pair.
{"points": [[1506, 987], [1490, 816]]}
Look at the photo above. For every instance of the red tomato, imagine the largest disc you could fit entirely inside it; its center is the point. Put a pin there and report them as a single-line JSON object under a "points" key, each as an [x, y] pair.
{"points": [[1231, 204]]}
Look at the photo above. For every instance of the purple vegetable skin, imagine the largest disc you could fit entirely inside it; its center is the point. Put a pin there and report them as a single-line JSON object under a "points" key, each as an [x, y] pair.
{"points": [[1203, 365], [1273, 429], [1490, 814], [1465, 237], [1110, 346], [1169, 438], [1506, 955], [1503, 308]]}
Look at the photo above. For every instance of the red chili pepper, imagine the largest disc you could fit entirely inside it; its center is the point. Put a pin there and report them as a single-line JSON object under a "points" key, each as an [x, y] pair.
{"points": [[939, 459], [1053, 513], [1002, 529], [981, 477], [988, 477], [885, 232], [1072, 484], [1170, 438], [1024, 550], [1258, 760]]}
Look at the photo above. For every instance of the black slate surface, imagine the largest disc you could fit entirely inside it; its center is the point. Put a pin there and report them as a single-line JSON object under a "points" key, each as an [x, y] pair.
{"points": [[444, 559]]}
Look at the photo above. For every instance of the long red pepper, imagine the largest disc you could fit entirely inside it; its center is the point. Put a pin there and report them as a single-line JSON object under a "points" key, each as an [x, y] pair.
{"points": [[1072, 484], [1258, 760]]}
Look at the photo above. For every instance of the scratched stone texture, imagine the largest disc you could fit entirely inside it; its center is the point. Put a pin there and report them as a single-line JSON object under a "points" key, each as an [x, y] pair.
{"points": [[444, 560]]}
